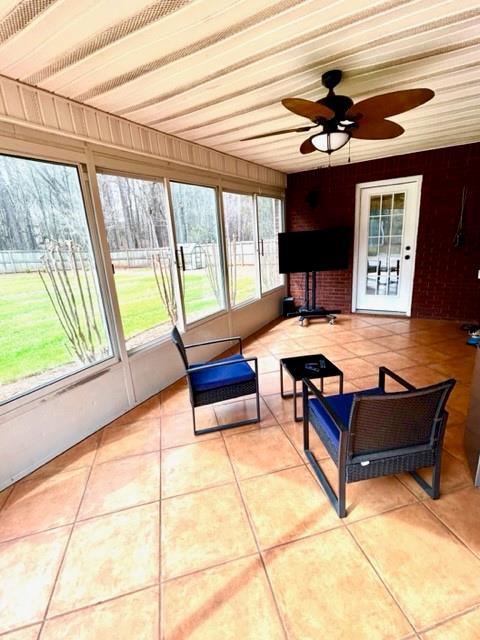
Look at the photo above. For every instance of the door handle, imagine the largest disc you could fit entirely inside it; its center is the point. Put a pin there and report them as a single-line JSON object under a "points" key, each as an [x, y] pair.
{"points": [[181, 258]]}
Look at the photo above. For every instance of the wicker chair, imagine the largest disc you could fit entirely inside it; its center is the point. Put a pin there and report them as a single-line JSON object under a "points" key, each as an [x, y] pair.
{"points": [[373, 433], [219, 380]]}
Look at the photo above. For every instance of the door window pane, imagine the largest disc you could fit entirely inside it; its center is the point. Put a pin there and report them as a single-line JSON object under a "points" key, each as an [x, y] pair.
{"points": [[269, 226], [135, 213], [239, 232], [384, 244], [196, 228], [51, 315]]}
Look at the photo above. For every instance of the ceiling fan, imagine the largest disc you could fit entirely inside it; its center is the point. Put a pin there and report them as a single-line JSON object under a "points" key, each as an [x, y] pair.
{"points": [[341, 119]]}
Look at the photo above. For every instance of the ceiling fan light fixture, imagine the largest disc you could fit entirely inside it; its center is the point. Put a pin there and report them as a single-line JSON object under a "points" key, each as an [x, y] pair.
{"points": [[330, 141]]}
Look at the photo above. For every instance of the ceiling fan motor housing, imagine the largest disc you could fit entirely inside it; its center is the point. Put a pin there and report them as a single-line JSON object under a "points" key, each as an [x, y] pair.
{"points": [[338, 104], [331, 78]]}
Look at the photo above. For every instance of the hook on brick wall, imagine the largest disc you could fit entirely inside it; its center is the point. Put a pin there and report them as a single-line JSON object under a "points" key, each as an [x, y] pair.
{"points": [[459, 239]]}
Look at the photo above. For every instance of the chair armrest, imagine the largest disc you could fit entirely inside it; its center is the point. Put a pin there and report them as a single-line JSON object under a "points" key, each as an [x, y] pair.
{"points": [[211, 365], [202, 344], [309, 386], [382, 371]]}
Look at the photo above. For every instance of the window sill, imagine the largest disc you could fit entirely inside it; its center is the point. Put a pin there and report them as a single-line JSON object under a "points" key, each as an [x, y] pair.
{"points": [[25, 402]]}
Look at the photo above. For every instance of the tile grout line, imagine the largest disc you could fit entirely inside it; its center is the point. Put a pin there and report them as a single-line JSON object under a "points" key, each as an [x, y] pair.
{"points": [[451, 531], [59, 472], [126, 457], [160, 599], [259, 553], [80, 521], [9, 491], [254, 554], [40, 475], [60, 566], [88, 606], [455, 616], [377, 573], [226, 483]]}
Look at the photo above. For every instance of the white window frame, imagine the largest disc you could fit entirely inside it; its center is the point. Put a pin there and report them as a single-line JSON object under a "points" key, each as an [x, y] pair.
{"points": [[184, 324], [282, 276], [150, 344], [258, 284], [64, 382]]}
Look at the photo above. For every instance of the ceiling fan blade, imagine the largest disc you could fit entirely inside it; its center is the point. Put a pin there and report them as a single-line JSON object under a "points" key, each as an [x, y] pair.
{"points": [[307, 108], [377, 130], [307, 147], [389, 104], [277, 133]]}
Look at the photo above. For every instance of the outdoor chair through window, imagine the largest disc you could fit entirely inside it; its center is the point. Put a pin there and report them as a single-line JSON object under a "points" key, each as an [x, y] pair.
{"points": [[373, 433], [219, 380]]}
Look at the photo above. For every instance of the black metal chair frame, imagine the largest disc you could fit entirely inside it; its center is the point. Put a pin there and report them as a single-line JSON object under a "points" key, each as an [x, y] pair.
{"points": [[387, 462], [227, 392]]}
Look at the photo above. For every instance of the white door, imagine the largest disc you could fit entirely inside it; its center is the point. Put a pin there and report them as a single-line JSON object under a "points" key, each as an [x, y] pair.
{"points": [[385, 239]]}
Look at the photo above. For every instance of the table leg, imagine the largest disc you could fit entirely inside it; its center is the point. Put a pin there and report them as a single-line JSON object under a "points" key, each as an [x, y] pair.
{"points": [[282, 390], [340, 384], [295, 414]]}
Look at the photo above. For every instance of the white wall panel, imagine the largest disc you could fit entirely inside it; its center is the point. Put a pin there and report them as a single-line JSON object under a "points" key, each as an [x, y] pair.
{"points": [[252, 317], [21, 105], [31, 437]]}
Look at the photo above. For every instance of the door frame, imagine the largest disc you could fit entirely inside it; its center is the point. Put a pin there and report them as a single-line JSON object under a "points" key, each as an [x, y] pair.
{"points": [[356, 246]]}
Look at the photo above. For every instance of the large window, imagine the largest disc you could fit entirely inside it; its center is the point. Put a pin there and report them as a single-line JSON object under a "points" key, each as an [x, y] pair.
{"points": [[135, 213], [269, 225], [198, 252], [51, 314], [239, 225]]}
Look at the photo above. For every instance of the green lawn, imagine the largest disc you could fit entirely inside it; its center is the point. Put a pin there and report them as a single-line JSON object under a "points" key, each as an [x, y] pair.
{"points": [[32, 340]]}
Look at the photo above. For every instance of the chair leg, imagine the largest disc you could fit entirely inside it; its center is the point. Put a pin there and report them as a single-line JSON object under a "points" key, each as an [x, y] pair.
{"points": [[341, 510], [306, 433], [257, 396], [432, 490], [436, 479], [229, 425], [338, 502], [194, 421]]}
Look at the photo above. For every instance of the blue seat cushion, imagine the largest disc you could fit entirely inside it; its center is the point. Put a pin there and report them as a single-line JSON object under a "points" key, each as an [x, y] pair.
{"points": [[216, 377], [342, 405]]}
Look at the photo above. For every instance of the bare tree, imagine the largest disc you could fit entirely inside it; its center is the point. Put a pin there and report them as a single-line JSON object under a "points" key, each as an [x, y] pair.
{"points": [[163, 277], [68, 284]]}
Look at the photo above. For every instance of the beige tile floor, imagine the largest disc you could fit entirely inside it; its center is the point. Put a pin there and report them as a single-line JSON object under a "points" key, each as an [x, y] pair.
{"points": [[143, 531]]}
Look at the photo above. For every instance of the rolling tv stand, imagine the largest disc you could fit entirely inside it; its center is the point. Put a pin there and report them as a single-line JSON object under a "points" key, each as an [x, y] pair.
{"points": [[309, 311]]}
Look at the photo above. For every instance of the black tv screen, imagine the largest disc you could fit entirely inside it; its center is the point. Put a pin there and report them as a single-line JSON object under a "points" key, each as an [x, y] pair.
{"points": [[321, 250]]}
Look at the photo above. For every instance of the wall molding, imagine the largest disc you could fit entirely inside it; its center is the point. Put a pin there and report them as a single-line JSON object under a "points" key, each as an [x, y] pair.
{"points": [[41, 110]]}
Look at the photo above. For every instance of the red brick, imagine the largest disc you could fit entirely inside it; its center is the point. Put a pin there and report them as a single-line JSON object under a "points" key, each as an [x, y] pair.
{"points": [[446, 283]]}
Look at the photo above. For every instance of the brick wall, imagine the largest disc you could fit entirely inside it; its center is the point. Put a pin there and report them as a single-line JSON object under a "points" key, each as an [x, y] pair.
{"points": [[446, 284]]}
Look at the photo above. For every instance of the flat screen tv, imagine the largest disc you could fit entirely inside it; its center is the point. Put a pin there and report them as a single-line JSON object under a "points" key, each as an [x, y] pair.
{"points": [[320, 250]]}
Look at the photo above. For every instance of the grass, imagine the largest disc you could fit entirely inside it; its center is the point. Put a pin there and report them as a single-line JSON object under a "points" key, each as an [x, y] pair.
{"points": [[32, 340]]}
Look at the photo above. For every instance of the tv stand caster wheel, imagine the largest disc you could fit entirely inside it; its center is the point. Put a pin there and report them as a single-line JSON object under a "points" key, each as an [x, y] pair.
{"points": [[303, 321], [331, 319]]}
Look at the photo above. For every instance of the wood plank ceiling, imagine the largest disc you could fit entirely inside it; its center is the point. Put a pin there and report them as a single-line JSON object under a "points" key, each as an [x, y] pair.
{"points": [[214, 71]]}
